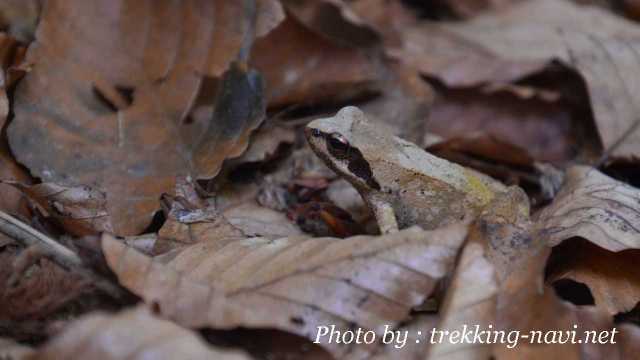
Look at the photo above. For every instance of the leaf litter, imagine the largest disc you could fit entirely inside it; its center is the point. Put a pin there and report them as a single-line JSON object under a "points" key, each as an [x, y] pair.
{"points": [[161, 143]]}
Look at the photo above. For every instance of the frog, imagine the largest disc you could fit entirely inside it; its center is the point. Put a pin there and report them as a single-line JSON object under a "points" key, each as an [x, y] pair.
{"points": [[402, 184]]}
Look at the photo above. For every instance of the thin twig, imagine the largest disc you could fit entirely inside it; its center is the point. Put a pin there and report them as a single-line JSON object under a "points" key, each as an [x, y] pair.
{"points": [[56, 252]]}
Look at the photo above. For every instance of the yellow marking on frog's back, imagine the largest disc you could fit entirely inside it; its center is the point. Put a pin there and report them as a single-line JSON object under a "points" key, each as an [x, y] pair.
{"points": [[478, 189]]}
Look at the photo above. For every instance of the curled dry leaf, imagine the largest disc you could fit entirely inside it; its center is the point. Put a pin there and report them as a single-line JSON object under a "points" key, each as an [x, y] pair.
{"points": [[514, 298], [543, 128], [41, 288], [131, 334], [80, 210], [470, 299], [602, 47], [270, 15], [455, 61], [12, 200], [119, 123], [185, 227], [388, 18], [294, 284], [290, 56], [612, 278], [266, 144], [470, 8], [403, 104], [595, 207], [255, 220], [333, 19], [495, 243]]}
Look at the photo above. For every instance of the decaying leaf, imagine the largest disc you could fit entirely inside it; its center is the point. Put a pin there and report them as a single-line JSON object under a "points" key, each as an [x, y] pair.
{"points": [[256, 220], [403, 104], [456, 61], [602, 47], [295, 283], [595, 207], [131, 334], [494, 248], [41, 288], [543, 128], [12, 200], [290, 56], [388, 18], [122, 126], [80, 210], [333, 19], [613, 278], [514, 298], [470, 300], [469, 8]]}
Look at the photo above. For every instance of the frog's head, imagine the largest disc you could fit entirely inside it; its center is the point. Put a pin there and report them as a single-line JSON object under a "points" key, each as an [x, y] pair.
{"points": [[335, 140]]}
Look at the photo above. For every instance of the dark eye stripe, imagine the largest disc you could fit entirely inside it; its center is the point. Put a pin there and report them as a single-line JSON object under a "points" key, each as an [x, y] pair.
{"points": [[340, 149]]}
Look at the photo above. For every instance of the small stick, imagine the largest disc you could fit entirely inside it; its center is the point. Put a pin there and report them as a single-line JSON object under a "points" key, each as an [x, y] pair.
{"points": [[55, 251]]}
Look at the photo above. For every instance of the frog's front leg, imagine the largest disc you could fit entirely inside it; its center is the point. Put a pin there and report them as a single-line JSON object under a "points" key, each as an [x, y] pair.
{"points": [[385, 217]]}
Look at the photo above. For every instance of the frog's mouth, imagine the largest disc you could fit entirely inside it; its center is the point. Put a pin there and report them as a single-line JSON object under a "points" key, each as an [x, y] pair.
{"points": [[342, 151]]}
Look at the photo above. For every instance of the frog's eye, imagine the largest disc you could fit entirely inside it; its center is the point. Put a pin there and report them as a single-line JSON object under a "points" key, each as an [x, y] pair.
{"points": [[338, 145]]}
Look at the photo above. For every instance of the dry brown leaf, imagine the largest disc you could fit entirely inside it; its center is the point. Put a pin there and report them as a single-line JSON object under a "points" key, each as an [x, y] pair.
{"points": [[266, 143], [293, 284], [255, 220], [601, 46], [41, 289], [388, 17], [270, 15], [542, 128], [404, 102], [595, 207], [80, 210], [470, 300], [11, 199], [289, 58], [107, 106], [494, 248], [470, 8], [187, 226], [612, 278], [335, 20], [131, 334], [502, 255], [455, 61]]}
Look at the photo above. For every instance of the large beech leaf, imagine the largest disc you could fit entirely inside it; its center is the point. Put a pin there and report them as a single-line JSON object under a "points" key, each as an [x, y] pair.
{"points": [[295, 283], [613, 278], [498, 282], [112, 83], [131, 334], [596, 207], [602, 47]]}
